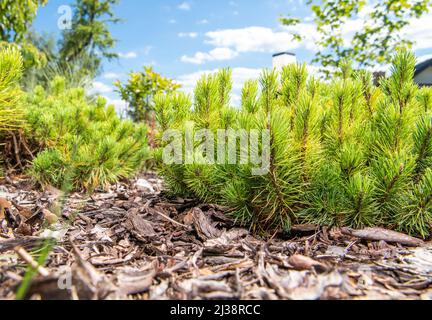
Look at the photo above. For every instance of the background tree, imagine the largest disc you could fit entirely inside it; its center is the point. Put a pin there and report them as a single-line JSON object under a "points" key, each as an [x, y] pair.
{"points": [[376, 41], [89, 39], [39, 74], [140, 89], [16, 17], [78, 54]]}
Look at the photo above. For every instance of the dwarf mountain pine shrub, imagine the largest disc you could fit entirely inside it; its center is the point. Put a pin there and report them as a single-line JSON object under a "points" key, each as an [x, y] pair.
{"points": [[11, 114], [82, 144], [342, 152]]}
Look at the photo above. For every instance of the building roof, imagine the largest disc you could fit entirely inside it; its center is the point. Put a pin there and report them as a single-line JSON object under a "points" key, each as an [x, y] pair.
{"points": [[282, 53], [422, 66]]}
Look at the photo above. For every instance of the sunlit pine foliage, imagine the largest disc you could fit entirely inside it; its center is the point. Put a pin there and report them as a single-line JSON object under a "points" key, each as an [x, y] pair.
{"points": [[342, 152]]}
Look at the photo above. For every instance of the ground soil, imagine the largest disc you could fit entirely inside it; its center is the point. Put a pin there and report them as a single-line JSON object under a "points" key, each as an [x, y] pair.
{"points": [[134, 242]]}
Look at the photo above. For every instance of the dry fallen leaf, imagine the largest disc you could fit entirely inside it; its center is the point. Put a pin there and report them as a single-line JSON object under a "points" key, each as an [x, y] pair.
{"points": [[378, 234], [188, 218], [203, 225], [4, 204], [24, 229], [139, 227], [49, 216], [300, 262], [206, 272]]}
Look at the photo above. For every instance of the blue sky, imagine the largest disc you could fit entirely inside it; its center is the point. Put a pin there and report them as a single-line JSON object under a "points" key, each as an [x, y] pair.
{"points": [[183, 39]]}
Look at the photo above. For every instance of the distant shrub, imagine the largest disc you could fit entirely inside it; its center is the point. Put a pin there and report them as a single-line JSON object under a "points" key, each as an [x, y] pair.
{"points": [[82, 144]]}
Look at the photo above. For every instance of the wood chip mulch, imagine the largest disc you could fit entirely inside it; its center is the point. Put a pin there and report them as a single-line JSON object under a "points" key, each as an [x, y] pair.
{"points": [[132, 242]]}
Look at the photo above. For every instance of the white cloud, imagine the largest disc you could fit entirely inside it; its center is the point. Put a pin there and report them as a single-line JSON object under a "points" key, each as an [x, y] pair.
{"points": [[309, 18], [419, 31], [217, 54], [119, 105], [203, 21], [99, 87], [128, 55], [185, 6], [241, 75], [267, 40], [172, 21], [260, 39], [188, 34], [365, 11], [111, 75], [312, 70]]}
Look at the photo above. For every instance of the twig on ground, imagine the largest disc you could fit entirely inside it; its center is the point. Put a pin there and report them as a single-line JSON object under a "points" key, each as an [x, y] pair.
{"points": [[23, 254], [172, 220]]}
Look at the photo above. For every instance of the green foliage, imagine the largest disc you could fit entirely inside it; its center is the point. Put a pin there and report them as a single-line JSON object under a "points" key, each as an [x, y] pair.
{"points": [[140, 90], [417, 214], [249, 96], [80, 51], [424, 97], [83, 145], [78, 72], [11, 113], [11, 66], [40, 255], [171, 109], [15, 18], [374, 43], [342, 152]]}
